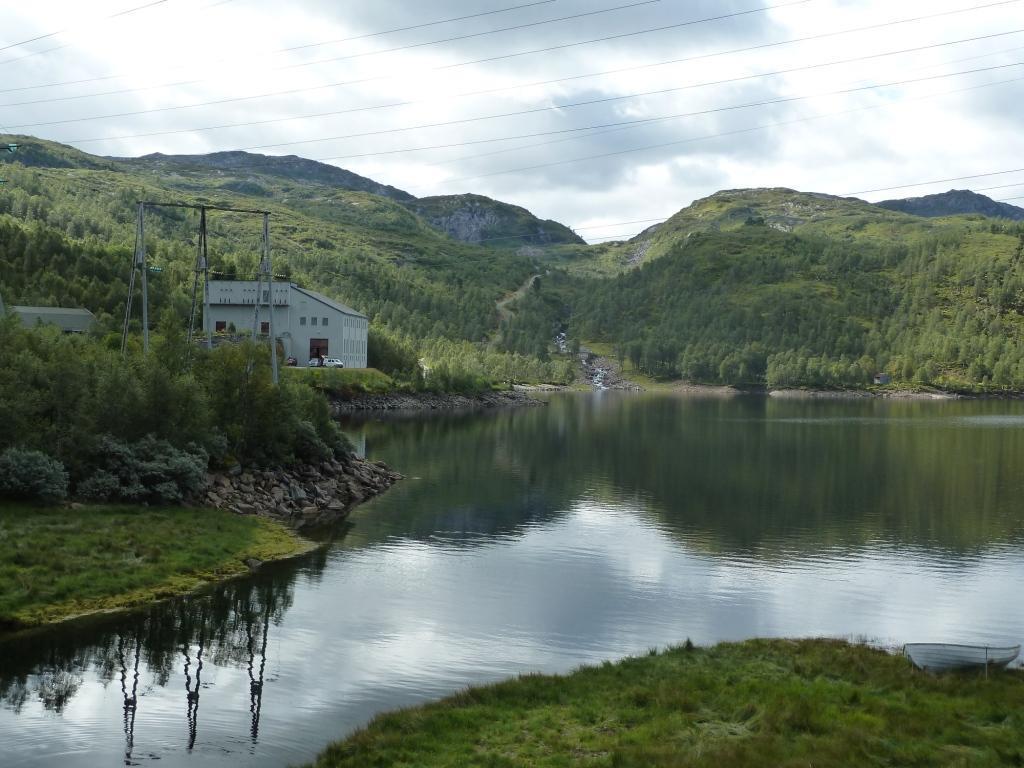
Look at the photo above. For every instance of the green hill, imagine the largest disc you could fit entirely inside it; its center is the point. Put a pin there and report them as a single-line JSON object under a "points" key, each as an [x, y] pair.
{"points": [[785, 288], [760, 286], [339, 232]]}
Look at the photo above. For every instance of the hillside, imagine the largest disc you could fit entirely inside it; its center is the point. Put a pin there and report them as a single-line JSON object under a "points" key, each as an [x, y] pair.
{"points": [[327, 231], [245, 167], [785, 288], [744, 286], [479, 219], [954, 202]]}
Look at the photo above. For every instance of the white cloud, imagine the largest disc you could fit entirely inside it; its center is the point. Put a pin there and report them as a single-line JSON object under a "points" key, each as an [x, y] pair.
{"points": [[906, 133]]}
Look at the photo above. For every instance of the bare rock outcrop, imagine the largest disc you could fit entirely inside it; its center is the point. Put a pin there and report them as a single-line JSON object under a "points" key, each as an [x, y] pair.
{"points": [[304, 497]]}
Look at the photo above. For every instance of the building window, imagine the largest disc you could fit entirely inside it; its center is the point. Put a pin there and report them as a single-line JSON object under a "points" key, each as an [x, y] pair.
{"points": [[302, 321], [220, 326], [264, 326], [312, 321], [324, 322]]}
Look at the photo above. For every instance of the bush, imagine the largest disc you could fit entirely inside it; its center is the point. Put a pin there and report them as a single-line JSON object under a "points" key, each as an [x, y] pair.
{"points": [[150, 470], [27, 475]]}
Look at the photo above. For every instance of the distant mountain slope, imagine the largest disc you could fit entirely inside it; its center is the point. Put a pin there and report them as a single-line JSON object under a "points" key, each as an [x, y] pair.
{"points": [[287, 167], [731, 210], [336, 231], [479, 219], [954, 202], [796, 289]]}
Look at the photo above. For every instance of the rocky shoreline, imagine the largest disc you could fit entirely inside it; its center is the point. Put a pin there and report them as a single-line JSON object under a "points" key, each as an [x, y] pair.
{"points": [[304, 497], [430, 401]]}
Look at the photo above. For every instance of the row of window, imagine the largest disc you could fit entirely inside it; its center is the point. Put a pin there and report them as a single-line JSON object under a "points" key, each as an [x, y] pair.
{"points": [[221, 326], [312, 321]]}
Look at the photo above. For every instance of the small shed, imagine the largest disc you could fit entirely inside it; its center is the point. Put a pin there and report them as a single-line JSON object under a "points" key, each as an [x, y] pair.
{"points": [[883, 378], [68, 319]]}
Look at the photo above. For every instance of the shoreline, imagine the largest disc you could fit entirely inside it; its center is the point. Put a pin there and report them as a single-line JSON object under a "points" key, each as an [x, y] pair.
{"points": [[287, 504], [686, 388], [431, 401], [759, 702]]}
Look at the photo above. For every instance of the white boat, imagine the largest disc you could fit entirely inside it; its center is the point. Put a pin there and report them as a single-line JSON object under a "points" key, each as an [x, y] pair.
{"points": [[938, 657]]}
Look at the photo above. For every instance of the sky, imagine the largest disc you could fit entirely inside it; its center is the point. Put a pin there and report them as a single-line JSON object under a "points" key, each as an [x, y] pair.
{"points": [[605, 115]]}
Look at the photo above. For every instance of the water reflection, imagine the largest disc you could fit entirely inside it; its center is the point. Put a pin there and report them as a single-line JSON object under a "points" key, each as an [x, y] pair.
{"points": [[542, 539]]}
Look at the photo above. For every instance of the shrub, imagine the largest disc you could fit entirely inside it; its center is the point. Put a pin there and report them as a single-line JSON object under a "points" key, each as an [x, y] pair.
{"points": [[28, 475], [150, 470], [308, 445]]}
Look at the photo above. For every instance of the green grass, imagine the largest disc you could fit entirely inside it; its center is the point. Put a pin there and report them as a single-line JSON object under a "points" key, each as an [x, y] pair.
{"points": [[345, 380], [760, 703], [56, 563]]}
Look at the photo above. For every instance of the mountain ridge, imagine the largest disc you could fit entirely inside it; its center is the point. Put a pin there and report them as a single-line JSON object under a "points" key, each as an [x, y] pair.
{"points": [[953, 203]]}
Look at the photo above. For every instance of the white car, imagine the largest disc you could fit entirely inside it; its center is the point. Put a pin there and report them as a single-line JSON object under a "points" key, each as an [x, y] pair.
{"points": [[329, 362]]}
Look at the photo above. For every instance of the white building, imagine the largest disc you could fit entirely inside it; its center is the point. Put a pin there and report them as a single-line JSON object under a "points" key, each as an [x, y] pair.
{"points": [[306, 323]]}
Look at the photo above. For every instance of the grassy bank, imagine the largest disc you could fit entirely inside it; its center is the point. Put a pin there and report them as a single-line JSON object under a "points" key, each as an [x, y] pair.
{"points": [[345, 381], [57, 562], [759, 703]]}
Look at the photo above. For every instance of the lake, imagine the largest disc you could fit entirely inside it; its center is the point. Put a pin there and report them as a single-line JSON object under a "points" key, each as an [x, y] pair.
{"points": [[599, 526]]}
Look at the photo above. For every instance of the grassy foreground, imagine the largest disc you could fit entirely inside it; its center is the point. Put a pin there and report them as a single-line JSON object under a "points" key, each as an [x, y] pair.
{"points": [[56, 563], [759, 703]]}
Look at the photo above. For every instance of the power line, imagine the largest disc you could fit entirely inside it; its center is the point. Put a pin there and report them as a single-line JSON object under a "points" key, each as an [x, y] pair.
{"points": [[547, 82], [589, 102], [629, 126], [768, 102], [66, 29], [292, 91], [68, 45], [472, 35], [1000, 186], [413, 26], [344, 83], [366, 53], [278, 50], [642, 121], [933, 181]]}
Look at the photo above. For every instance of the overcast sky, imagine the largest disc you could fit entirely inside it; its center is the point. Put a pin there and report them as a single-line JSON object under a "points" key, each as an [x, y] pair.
{"points": [[184, 53]]}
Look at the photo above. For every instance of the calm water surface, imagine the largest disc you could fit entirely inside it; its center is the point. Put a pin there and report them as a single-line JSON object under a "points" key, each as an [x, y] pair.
{"points": [[541, 539]]}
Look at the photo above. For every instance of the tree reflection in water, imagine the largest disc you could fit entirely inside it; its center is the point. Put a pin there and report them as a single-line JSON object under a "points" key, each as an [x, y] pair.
{"points": [[230, 627], [131, 700]]}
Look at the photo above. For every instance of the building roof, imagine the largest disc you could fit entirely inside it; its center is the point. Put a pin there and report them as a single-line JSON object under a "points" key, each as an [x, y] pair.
{"points": [[329, 302], [68, 318]]}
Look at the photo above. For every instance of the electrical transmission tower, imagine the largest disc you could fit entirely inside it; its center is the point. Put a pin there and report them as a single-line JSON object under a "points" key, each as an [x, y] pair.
{"points": [[202, 270], [138, 266], [265, 271], [202, 275], [10, 149]]}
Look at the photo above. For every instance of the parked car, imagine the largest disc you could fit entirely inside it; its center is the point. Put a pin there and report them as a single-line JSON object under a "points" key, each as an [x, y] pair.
{"points": [[328, 362]]}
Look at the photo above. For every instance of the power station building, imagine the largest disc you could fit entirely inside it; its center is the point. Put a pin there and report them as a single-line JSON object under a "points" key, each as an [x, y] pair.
{"points": [[306, 323]]}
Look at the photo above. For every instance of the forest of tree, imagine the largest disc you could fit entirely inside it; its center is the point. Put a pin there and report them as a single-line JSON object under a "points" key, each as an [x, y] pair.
{"points": [[759, 306]]}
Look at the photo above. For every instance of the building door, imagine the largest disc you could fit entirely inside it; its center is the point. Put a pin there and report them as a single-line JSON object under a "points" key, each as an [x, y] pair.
{"points": [[317, 347]]}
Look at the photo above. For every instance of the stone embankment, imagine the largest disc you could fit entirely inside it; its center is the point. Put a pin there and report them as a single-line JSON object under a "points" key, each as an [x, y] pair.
{"points": [[303, 497], [429, 401]]}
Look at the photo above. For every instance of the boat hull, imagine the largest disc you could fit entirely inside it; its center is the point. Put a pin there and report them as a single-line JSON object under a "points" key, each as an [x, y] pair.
{"points": [[937, 657]]}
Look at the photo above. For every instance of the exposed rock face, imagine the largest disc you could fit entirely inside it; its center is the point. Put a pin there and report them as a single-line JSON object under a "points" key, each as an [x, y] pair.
{"points": [[953, 202], [427, 401], [476, 219], [303, 497]]}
